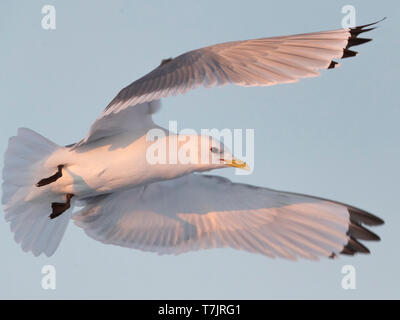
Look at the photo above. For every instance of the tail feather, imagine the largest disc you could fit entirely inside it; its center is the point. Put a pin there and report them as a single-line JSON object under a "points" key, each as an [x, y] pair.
{"points": [[29, 216]]}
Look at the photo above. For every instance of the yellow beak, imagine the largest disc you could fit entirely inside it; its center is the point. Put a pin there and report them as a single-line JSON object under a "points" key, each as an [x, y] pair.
{"points": [[236, 163]]}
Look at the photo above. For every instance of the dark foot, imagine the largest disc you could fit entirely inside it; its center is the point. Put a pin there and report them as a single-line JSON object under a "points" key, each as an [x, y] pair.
{"points": [[52, 178], [59, 207]]}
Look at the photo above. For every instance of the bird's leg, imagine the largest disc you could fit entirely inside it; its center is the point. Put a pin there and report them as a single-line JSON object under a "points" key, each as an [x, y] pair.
{"points": [[52, 178], [59, 207]]}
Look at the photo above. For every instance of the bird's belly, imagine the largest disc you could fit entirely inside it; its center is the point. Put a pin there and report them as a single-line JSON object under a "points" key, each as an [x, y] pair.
{"points": [[102, 172]]}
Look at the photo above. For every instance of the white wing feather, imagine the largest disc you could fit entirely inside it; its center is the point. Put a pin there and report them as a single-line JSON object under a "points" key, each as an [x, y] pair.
{"points": [[200, 211], [258, 62]]}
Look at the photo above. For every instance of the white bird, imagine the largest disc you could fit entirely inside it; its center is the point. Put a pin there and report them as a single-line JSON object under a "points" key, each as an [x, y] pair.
{"points": [[175, 208]]}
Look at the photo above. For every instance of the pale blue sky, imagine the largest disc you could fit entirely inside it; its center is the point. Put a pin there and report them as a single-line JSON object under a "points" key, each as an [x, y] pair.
{"points": [[336, 136]]}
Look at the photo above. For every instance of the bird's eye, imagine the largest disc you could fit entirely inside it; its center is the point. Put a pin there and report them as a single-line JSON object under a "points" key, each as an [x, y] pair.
{"points": [[214, 150]]}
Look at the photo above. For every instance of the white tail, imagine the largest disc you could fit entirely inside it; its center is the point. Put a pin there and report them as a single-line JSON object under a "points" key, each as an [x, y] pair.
{"points": [[28, 207]]}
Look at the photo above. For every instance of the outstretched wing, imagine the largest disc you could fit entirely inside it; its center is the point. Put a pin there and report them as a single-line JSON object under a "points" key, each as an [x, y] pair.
{"points": [[138, 120], [259, 62], [201, 211]]}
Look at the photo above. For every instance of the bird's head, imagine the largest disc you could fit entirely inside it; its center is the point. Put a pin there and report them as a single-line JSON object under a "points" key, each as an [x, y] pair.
{"points": [[206, 153], [176, 155]]}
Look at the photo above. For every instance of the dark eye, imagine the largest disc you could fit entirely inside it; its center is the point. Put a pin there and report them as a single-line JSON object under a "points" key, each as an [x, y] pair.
{"points": [[214, 150]]}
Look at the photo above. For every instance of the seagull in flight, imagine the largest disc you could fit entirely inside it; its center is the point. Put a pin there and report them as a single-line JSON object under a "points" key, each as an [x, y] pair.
{"points": [[173, 208]]}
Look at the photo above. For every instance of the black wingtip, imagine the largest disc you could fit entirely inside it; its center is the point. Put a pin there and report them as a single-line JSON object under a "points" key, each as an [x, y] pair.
{"points": [[348, 53], [355, 32], [361, 216], [332, 65], [357, 231], [361, 29], [354, 40], [353, 247]]}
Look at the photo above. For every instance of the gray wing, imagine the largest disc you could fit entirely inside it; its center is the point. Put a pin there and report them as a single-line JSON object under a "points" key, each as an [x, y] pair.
{"points": [[201, 212], [259, 62]]}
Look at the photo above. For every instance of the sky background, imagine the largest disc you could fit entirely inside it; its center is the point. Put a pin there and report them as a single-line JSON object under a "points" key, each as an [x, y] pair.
{"points": [[335, 136]]}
